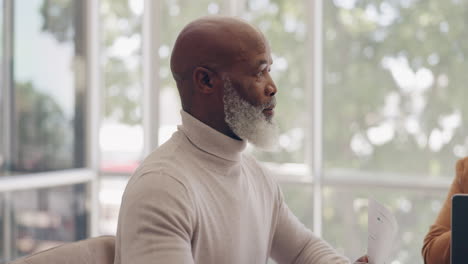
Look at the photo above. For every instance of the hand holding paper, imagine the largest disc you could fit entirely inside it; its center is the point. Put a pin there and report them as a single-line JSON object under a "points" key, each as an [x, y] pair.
{"points": [[382, 229]]}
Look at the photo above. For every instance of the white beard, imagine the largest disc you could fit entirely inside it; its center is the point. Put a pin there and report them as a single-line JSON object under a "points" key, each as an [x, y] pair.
{"points": [[248, 121]]}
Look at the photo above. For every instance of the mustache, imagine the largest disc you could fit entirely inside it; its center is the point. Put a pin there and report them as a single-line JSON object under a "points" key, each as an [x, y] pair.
{"points": [[269, 104]]}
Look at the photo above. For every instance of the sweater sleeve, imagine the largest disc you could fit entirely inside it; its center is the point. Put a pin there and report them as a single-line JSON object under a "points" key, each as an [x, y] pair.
{"points": [[436, 248], [156, 222], [294, 243]]}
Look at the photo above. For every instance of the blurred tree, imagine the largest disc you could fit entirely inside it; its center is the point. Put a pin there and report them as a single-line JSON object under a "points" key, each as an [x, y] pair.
{"points": [[57, 14], [122, 74], [44, 136], [394, 85], [361, 90], [64, 20], [393, 102]]}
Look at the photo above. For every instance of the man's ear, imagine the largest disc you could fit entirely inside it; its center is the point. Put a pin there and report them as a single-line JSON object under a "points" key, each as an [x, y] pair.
{"points": [[204, 80]]}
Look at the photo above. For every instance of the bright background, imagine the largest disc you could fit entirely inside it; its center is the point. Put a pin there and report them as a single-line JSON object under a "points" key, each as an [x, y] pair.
{"points": [[370, 104]]}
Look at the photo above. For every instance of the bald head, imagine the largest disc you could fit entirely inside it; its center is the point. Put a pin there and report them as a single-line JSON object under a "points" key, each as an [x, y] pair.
{"points": [[215, 43]]}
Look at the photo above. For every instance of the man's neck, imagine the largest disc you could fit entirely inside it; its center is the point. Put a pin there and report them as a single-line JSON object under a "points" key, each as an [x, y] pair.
{"points": [[215, 121]]}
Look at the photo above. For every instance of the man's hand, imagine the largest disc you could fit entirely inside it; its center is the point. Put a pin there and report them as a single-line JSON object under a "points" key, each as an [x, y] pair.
{"points": [[363, 259]]}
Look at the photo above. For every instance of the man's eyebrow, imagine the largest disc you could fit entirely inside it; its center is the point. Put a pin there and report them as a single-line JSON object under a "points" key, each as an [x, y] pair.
{"points": [[264, 63]]}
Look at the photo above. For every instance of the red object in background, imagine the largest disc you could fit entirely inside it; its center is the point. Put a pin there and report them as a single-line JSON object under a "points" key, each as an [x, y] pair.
{"points": [[120, 167]]}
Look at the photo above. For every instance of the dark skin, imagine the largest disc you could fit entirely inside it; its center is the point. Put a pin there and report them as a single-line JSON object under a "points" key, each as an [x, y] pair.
{"points": [[212, 47]]}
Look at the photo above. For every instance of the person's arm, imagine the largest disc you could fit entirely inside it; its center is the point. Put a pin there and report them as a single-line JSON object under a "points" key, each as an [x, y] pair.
{"points": [[436, 248], [156, 222], [294, 243]]}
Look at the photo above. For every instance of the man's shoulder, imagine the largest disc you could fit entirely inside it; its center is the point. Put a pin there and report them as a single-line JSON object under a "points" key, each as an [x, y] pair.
{"points": [[155, 194], [156, 184], [164, 152], [162, 166], [167, 158]]}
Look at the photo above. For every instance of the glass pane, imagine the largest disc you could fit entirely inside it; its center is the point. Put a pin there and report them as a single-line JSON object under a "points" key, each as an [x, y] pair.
{"points": [[345, 219], [300, 200], [284, 24], [174, 15], [110, 195], [2, 90], [49, 78], [121, 134], [395, 85], [45, 218], [2, 220]]}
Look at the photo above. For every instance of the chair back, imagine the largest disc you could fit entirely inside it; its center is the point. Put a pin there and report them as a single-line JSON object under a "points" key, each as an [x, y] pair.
{"points": [[98, 250]]}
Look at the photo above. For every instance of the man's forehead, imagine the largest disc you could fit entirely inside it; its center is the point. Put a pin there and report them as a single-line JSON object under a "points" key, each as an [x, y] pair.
{"points": [[263, 53], [262, 59], [254, 62], [256, 54]]}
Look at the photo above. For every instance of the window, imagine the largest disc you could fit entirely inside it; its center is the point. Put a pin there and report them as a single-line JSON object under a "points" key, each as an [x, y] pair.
{"points": [[45, 218], [391, 97], [48, 130], [393, 86], [2, 235], [392, 111], [2, 94], [393, 107], [299, 197], [43, 99], [121, 134], [345, 218]]}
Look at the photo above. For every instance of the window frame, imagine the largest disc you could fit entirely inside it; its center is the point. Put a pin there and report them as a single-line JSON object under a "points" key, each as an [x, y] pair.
{"points": [[311, 171], [32, 181]]}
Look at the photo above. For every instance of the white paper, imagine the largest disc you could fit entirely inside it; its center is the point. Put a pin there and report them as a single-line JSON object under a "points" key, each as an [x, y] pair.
{"points": [[382, 229]]}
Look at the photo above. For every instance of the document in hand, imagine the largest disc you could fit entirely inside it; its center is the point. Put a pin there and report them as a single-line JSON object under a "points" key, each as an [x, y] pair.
{"points": [[382, 229]]}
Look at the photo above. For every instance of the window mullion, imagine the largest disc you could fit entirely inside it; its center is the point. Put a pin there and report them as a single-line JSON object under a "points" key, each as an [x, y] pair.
{"points": [[151, 34], [6, 85], [314, 151], [94, 108]]}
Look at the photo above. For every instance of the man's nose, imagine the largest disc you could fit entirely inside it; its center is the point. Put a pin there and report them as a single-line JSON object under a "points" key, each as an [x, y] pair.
{"points": [[270, 89]]}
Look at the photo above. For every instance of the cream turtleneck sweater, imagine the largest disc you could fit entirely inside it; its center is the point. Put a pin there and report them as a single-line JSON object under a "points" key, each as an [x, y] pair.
{"points": [[199, 199]]}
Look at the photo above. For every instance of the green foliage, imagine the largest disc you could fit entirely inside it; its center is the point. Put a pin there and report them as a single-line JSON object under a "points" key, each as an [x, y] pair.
{"points": [[44, 134], [122, 80], [429, 35], [56, 15], [356, 84]]}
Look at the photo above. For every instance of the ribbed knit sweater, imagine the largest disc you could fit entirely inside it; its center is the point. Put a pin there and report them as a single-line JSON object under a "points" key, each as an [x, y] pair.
{"points": [[199, 199]]}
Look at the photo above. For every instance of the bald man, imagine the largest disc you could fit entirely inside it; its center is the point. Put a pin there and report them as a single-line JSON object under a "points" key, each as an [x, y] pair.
{"points": [[198, 198]]}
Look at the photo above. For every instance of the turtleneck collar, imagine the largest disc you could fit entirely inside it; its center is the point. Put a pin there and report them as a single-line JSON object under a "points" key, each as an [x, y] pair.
{"points": [[210, 140]]}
